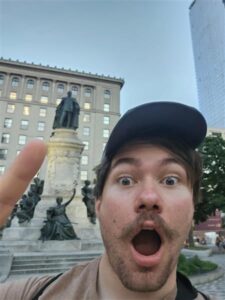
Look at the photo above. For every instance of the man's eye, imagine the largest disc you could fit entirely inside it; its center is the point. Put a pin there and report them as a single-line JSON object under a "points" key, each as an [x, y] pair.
{"points": [[170, 180], [126, 181]]}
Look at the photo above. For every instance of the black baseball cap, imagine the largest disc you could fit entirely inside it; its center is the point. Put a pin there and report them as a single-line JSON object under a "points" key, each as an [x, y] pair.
{"points": [[176, 121]]}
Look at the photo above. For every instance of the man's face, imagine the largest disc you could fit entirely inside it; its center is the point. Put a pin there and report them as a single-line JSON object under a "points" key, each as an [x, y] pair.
{"points": [[145, 214]]}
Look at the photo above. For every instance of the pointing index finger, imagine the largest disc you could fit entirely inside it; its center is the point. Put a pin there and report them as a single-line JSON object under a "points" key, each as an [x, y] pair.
{"points": [[16, 179]]}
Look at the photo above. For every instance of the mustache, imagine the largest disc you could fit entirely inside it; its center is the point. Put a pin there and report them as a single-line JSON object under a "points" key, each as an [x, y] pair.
{"points": [[128, 231]]}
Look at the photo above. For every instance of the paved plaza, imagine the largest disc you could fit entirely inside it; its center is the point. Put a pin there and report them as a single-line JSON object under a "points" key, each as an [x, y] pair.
{"points": [[215, 288]]}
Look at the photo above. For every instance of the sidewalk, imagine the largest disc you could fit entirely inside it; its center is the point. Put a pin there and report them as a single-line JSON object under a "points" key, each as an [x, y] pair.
{"points": [[215, 288]]}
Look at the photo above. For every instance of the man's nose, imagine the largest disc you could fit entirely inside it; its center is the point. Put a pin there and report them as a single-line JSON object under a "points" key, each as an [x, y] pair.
{"points": [[148, 198]]}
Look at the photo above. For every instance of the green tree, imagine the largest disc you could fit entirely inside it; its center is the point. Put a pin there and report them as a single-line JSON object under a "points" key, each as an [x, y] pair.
{"points": [[213, 181]]}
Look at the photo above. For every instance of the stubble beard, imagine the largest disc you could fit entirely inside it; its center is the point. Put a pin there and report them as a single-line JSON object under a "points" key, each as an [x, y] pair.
{"points": [[133, 277]]}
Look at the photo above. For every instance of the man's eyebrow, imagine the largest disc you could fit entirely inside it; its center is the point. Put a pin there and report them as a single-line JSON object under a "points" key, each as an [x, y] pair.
{"points": [[125, 160], [136, 162], [169, 160]]}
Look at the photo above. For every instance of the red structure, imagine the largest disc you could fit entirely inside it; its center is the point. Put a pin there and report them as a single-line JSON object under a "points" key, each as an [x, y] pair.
{"points": [[214, 223]]}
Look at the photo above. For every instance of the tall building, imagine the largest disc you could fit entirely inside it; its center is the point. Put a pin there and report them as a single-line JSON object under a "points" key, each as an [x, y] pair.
{"points": [[29, 94], [207, 18]]}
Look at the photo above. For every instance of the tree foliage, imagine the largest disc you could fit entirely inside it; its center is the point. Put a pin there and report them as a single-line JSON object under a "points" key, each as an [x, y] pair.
{"points": [[213, 181]]}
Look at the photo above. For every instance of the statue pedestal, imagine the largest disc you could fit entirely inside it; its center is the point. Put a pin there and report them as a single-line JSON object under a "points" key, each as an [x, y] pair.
{"points": [[62, 176], [64, 154]]}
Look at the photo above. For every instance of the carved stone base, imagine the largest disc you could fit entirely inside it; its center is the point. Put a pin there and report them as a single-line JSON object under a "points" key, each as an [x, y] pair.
{"points": [[63, 168]]}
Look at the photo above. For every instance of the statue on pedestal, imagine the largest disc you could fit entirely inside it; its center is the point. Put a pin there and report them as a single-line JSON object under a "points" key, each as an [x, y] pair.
{"points": [[58, 226], [67, 113], [89, 201]]}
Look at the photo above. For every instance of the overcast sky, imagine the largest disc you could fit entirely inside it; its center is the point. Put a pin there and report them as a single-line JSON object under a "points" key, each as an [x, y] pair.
{"points": [[147, 43]]}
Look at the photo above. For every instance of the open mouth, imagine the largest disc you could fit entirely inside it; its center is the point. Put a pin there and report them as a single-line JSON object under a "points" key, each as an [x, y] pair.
{"points": [[147, 242]]}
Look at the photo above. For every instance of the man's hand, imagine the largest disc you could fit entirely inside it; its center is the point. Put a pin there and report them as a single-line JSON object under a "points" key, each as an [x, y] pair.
{"points": [[16, 179]]}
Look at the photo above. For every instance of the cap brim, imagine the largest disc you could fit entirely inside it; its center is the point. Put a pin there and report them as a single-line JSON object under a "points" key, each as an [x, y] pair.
{"points": [[158, 119]]}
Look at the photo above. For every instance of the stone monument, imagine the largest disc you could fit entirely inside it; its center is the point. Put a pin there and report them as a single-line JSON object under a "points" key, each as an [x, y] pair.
{"points": [[62, 175]]}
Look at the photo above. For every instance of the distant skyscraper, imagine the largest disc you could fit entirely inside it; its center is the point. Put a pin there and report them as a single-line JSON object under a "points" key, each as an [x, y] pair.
{"points": [[207, 18]]}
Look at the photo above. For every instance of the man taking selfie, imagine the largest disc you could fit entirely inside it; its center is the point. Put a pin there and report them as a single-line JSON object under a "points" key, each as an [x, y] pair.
{"points": [[147, 184]]}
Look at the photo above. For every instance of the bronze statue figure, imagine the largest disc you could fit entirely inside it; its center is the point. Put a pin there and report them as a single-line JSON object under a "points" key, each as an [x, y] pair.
{"points": [[67, 113], [89, 201], [27, 204], [26, 208], [57, 225]]}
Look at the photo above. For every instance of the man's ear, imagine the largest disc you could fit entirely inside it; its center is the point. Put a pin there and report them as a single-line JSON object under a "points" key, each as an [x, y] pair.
{"points": [[98, 203]]}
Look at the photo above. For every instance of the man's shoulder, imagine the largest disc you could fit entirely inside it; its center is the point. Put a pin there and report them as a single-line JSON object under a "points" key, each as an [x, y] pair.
{"points": [[84, 267], [79, 282], [23, 288], [76, 280]]}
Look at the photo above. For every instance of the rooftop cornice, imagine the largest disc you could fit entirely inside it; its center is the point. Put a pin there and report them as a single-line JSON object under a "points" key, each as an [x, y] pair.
{"points": [[62, 70]]}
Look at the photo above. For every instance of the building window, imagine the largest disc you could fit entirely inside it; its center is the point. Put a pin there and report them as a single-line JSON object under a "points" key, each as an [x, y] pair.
{"points": [[86, 145], [86, 131], [5, 138], [106, 120], [11, 108], [30, 83], [87, 105], [28, 97], [106, 107], [2, 169], [87, 92], [86, 118], [45, 86], [24, 124], [43, 112], [107, 94], [22, 139], [0, 93], [26, 110], [83, 175], [15, 81], [74, 90], [84, 160], [7, 123], [3, 154], [60, 88], [105, 133], [1, 79], [41, 126], [12, 95], [44, 99]]}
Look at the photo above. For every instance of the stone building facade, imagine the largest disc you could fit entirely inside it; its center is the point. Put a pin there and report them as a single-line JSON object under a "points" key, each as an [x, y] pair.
{"points": [[29, 94]]}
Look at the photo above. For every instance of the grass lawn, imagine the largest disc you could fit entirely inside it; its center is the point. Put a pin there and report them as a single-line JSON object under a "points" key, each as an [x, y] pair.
{"points": [[194, 265]]}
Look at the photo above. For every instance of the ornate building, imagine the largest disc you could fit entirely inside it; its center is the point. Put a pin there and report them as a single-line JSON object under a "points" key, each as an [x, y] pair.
{"points": [[29, 94]]}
